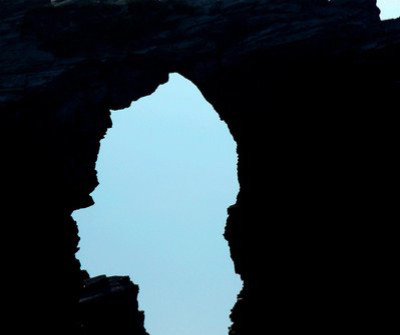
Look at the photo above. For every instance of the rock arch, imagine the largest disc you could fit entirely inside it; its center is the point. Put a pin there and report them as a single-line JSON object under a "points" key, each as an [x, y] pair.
{"points": [[307, 89]]}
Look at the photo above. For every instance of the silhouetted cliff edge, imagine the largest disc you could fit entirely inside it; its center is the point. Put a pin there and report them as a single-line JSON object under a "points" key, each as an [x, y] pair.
{"points": [[309, 90]]}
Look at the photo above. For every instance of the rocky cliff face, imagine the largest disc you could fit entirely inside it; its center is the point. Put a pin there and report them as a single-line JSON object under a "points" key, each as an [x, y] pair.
{"points": [[308, 90], [108, 305]]}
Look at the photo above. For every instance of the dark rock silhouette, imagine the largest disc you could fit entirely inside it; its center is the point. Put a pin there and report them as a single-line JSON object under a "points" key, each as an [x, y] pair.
{"points": [[308, 90], [108, 305]]}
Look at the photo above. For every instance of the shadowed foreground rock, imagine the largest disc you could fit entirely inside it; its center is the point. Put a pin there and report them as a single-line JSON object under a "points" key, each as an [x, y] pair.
{"points": [[108, 305], [309, 90]]}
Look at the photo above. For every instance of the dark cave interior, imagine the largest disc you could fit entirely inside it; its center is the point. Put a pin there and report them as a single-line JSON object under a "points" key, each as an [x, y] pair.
{"points": [[309, 90]]}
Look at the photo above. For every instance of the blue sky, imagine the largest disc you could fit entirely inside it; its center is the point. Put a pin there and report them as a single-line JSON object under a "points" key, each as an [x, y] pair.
{"points": [[389, 8], [167, 172]]}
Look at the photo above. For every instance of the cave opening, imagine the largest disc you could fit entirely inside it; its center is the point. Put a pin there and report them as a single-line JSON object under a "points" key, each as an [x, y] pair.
{"points": [[168, 172]]}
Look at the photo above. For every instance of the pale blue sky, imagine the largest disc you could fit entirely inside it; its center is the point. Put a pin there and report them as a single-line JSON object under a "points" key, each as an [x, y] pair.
{"points": [[167, 172], [389, 8]]}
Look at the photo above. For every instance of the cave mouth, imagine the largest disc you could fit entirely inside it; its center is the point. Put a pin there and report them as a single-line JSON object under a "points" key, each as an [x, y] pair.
{"points": [[167, 171]]}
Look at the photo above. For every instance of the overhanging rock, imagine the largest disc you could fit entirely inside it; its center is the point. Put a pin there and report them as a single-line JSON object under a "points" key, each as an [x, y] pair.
{"points": [[308, 90]]}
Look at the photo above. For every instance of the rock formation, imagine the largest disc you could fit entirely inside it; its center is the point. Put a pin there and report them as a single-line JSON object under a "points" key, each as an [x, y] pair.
{"points": [[308, 90], [108, 305]]}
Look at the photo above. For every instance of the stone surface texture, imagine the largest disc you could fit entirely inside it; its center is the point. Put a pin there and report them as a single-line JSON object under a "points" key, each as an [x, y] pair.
{"points": [[309, 90]]}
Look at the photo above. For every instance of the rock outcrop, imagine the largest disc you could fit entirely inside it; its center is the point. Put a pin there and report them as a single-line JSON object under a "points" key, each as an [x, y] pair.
{"points": [[108, 305], [308, 89]]}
